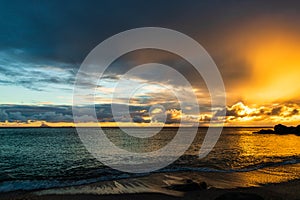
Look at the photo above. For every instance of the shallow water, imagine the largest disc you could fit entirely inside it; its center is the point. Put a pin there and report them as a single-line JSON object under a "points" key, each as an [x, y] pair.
{"points": [[34, 158]]}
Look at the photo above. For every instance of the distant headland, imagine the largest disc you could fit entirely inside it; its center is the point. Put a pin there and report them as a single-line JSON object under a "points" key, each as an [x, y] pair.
{"points": [[280, 129]]}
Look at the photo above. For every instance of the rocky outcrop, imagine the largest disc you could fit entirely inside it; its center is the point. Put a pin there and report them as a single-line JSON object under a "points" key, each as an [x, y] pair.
{"points": [[265, 131], [188, 185], [281, 130]]}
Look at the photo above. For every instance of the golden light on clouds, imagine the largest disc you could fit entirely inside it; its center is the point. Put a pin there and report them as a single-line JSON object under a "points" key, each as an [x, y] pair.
{"points": [[270, 54], [276, 69], [270, 114]]}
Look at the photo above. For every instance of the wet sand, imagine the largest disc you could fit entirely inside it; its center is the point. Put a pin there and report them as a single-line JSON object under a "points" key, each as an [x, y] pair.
{"points": [[274, 191], [158, 187]]}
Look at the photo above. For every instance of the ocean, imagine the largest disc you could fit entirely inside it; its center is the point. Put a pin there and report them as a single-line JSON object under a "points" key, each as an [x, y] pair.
{"points": [[42, 158]]}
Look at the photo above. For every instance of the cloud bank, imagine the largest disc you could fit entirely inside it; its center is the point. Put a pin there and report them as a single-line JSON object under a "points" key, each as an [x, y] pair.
{"points": [[238, 114]]}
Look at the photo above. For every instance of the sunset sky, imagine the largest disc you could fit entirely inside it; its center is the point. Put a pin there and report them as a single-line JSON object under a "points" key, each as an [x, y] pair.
{"points": [[255, 44]]}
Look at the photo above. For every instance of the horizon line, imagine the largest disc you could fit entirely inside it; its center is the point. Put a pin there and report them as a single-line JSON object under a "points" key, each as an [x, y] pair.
{"points": [[266, 126]]}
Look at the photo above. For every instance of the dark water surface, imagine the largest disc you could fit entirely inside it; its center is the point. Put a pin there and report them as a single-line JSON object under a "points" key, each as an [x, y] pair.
{"points": [[34, 158]]}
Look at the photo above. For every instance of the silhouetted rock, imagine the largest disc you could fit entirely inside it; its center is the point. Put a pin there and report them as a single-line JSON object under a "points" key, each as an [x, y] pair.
{"points": [[239, 196], [189, 185], [265, 131], [297, 129], [281, 130]]}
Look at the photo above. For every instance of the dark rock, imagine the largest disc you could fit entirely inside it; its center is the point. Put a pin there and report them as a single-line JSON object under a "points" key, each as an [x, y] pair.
{"points": [[265, 131], [281, 130], [189, 185], [297, 130], [239, 196], [203, 185]]}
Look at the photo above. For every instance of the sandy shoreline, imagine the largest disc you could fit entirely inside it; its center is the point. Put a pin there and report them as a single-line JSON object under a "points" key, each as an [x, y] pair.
{"points": [[289, 190], [154, 187]]}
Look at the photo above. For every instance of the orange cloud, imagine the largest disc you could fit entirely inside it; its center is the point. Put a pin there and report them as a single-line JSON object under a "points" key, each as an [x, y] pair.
{"points": [[240, 114]]}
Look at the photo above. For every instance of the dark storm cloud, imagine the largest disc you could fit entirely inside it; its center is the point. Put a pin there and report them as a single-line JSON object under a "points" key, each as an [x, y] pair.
{"points": [[137, 114], [65, 31], [140, 57], [24, 113], [34, 77]]}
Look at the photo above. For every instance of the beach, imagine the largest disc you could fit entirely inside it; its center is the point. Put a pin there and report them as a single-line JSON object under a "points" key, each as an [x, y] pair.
{"points": [[274, 191]]}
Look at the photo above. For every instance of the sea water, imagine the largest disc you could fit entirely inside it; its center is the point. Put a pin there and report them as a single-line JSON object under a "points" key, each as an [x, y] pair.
{"points": [[39, 158]]}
